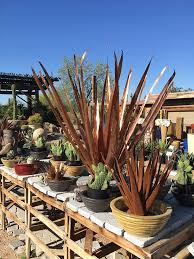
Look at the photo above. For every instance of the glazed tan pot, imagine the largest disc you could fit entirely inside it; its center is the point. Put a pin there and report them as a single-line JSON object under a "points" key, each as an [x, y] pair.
{"points": [[71, 170], [144, 226], [163, 133], [9, 163]]}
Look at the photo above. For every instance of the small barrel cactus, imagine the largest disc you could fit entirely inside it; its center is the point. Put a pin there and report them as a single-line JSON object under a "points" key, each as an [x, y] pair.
{"points": [[70, 152], [40, 142], [184, 173], [101, 178], [57, 148]]}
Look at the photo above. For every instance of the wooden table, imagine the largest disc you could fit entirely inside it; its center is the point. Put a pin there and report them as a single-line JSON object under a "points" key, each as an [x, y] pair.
{"points": [[179, 228]]}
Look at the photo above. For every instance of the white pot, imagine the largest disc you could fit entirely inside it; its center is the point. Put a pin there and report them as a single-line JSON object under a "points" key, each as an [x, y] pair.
{"points": [[190, 138]]}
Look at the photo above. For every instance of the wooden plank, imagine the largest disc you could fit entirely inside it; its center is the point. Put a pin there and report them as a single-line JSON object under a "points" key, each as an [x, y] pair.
{"points": [[120, 241], [49, 200], [89, 241], [167, 244]]}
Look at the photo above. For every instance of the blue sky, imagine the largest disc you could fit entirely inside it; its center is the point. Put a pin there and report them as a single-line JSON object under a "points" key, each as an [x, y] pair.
{"points": [[49, 30]]}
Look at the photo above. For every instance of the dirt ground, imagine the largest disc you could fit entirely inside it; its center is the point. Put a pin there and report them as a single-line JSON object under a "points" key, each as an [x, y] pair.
{"points": [[5, 251]]}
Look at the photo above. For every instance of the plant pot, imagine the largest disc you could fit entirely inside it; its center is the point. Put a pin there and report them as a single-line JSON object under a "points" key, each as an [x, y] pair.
{"points": [[39, 155], [164, 191], [144, 226], [62, 185], [73, 170], [9, 163], [184, 194], [56, 163], [26, 169], [96, 205], [97, 194]]}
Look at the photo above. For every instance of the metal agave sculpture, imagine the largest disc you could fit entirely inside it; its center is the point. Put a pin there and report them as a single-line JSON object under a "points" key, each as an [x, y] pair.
{"points": [[107, 126], [143, 183]]}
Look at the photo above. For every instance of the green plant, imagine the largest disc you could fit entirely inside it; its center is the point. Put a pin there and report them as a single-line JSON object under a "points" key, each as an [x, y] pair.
{"points": [[71, 153], [40, 142], [143, 183], [57, 148], [56, 172], [184, 172], [35, 118], [102, 130], [162, 146], [10, 155], [101, 179]]}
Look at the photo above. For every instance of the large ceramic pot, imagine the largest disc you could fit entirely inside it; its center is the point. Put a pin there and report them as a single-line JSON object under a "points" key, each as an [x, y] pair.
{"points": [[97, 194], [184, 194], [62, 185], [144, 226], [26, 169], [9, 163], [74, 170], [96, 205]]}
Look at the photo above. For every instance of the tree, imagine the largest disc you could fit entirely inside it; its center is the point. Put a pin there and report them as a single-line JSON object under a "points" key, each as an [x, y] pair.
{"points": [[175, 89], [98, 69]]}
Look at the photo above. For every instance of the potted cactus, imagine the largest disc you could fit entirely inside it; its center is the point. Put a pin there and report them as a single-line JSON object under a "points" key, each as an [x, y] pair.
{"points": [[38, 150], [183, 188], [27, 166], [56, 179], [97, 197], [74, 165], [10, 160], [58, 152]]}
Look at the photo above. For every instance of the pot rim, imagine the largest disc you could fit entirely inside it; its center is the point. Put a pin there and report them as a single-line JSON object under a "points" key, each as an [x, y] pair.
{"points": [[83, 193], [114, 208]]}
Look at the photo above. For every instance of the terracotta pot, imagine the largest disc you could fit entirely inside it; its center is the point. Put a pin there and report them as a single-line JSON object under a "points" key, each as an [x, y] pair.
{"points": [[72, 170], [144, 226], [96, 205], [26, 169], [9, 163]]}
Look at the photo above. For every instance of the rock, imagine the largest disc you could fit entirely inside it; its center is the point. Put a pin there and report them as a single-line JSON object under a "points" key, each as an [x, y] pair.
{"points": [[40, 132], [15, 244], [20, 250], [22, 237], [18, 232]]}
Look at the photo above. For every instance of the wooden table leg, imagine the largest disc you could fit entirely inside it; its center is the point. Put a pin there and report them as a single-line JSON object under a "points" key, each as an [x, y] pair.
{"points": [[29, 223], [3, 223], [66, 224], [89, 241]]}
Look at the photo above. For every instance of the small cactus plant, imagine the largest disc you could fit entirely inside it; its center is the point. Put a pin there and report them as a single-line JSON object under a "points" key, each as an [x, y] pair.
{"points": [[184, 173], [35, 118], [71, 154], [40, 142], [30, 160], [10, 155], [58, 149], [101, 178]]}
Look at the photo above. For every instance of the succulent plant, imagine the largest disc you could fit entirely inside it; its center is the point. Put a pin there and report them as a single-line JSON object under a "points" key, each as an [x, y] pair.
{"points": [[162, 146], [184, 172], [30, 160], [70, 152], [40, 142], [35, 118], [101, 178], [56, 172], [10, 155], [57, 148]]}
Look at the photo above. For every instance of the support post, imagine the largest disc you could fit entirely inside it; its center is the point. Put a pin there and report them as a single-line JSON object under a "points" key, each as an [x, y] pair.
{"points": [[13, 88], [29, 100]]}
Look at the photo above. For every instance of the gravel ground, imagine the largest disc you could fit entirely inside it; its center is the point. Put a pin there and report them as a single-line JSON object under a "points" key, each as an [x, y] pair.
{"points": [[5, 251]]}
